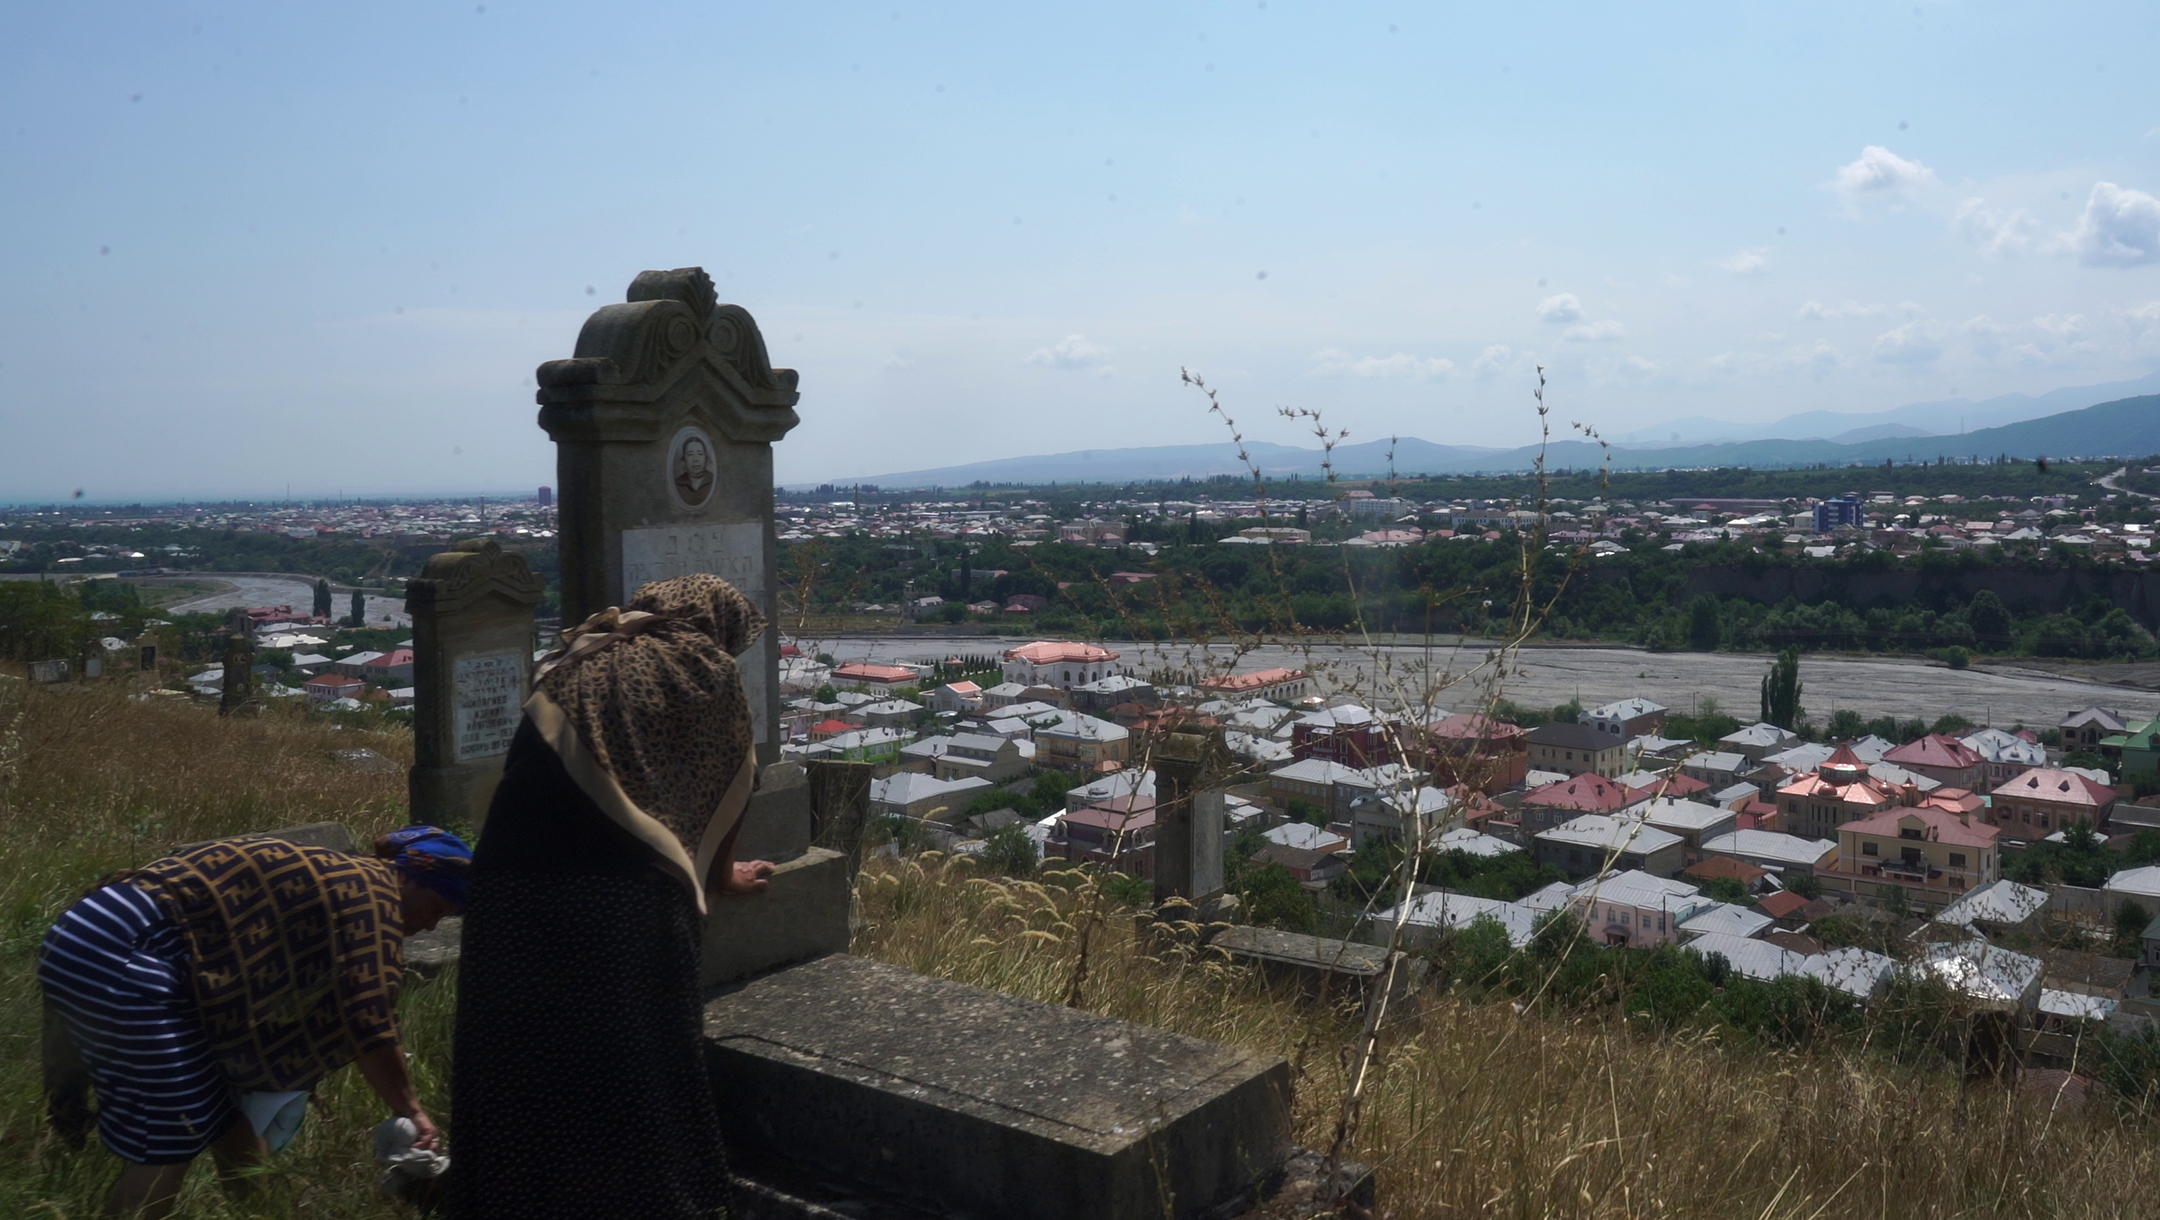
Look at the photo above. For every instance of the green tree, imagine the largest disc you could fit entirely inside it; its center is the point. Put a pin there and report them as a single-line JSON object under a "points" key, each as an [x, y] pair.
{"points": [[1804, 884], [1703, 633], [359, 609], [1272, 898], [322, 597], [1307, 812], [1781, 689], [1990, 619], [1010, 851], [1726, 889], [2131, 920]]}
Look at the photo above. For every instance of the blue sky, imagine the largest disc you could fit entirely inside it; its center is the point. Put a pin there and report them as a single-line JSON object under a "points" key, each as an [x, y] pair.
{"points": [[247, 246]]}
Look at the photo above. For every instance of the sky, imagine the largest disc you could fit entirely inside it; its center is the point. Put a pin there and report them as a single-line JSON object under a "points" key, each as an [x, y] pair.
{"points": [[318, 250]]}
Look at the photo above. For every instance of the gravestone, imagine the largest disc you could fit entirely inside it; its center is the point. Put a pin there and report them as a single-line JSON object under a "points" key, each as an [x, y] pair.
{"points": [[1189, 817], [472, 611], [239, 687], [664, 422]]}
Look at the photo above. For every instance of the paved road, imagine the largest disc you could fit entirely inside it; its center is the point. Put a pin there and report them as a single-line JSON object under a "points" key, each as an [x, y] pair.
{"points": [[294, 591], [1547, 676]]}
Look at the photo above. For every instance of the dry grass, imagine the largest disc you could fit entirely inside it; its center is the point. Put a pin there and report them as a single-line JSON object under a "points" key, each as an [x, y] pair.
{"points": [[1471, 1110], [1474, 1111]]}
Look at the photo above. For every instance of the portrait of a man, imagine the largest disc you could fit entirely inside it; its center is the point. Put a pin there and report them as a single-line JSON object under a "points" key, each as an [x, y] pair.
{"points": [[693, 471]]}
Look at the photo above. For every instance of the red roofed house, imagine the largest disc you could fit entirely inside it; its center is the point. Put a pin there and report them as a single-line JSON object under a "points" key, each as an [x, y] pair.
{"points": [[393, 668], [955, 697], [1782, 905], [1544, 808], [325, 687], [1838, 791], [831, 728], [1932, 854], [1940, 756], [2042, 801], [1119, 833], [1260, 684], [874, 679], [1678, 785], [1062, 664], [1472, 748]]}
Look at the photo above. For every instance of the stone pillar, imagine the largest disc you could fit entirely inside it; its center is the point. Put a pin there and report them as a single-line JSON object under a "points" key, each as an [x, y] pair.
{"points": [[1189, 819], [663, 424], [472, 611], [239, 686]]}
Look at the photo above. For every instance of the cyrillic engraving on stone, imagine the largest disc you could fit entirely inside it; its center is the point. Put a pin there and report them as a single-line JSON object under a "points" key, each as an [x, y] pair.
{"points": [[735, 552], [489, 692]]}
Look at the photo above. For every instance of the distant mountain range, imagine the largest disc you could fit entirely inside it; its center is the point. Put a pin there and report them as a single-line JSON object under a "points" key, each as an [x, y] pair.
{"points": [[1938, 418], [2127, 426]]}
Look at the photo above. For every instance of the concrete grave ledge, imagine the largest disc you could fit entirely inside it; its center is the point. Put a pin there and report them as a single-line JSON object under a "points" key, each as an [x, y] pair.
{"points": [[980, 1106], [804, 914]]}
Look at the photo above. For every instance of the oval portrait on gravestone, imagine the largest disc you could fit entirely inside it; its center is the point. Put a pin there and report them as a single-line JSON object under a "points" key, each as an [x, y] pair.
{"points": [[691, 462]]}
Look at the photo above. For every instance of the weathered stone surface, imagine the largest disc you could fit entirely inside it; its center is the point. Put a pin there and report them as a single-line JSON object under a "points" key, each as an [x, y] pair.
{"points": [[664, 422], [472, 610], [776, 826], [803, 915], [1315, 966], [430, 953], [974, 1104]]}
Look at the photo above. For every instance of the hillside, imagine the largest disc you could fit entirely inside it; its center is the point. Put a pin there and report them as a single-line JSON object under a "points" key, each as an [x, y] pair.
{"points": [[2127, 427], [1473, 1108]]}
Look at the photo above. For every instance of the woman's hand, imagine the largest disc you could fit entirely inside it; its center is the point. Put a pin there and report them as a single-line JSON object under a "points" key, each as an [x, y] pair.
{"points": [[428, 1138], [747, 877]]}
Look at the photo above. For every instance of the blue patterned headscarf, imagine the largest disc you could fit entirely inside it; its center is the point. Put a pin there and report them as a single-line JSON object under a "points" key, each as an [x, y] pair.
{"points": [[434, 858]]}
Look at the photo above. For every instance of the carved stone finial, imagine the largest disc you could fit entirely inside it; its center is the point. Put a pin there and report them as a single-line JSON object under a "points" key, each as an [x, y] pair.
{"points": [[473, 569], [690, 285]]}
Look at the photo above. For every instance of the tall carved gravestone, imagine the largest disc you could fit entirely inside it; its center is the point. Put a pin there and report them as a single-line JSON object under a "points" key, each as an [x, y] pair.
{"points": [[663, 424], [472, 612]]}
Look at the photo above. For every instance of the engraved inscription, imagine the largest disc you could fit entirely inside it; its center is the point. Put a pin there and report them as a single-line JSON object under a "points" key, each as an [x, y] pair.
{"points": [[490, 690]]}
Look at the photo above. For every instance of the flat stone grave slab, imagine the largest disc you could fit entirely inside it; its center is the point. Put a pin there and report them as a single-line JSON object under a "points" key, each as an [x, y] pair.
{"points": [[1316, 966], [973, 1104]]}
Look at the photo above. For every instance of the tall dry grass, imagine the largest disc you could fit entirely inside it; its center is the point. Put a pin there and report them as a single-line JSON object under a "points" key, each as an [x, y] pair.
{"points": [[1472, 1110], [93, 780], [1469, 1110]]}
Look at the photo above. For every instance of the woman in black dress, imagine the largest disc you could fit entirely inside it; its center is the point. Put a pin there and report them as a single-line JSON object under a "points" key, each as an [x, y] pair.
{"points": [[578, 1084]]}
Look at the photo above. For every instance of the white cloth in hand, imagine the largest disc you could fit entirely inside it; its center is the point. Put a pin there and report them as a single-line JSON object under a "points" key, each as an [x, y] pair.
{"points": [[408, 1166]]}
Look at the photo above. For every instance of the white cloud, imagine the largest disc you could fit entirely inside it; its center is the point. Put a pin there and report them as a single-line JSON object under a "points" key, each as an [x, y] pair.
{"points": [[1994, 233], [898, 361], [1636, 369], [2120, 228], [1074, 352], [1562, 307], [1880, 171], [1592, 332], [1912, 343], [1402, 366], [1850, 309], [1750, 261], [1495, 359], [1673, 280], [2061, 325], [2145, 325]]}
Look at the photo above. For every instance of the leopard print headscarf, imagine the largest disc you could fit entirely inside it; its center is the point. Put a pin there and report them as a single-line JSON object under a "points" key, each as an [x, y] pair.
{"points": [[654, 694]]}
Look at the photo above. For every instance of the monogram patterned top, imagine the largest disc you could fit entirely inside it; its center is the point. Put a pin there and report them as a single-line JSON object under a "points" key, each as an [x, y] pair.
{"points": [[296, 954]]}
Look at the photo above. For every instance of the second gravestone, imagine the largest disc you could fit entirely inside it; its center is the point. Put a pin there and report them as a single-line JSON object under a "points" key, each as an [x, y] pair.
{"points": [[472, 612]]}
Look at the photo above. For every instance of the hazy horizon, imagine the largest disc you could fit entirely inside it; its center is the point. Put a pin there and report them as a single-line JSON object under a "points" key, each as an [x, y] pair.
{"points": [[256, 245]]}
